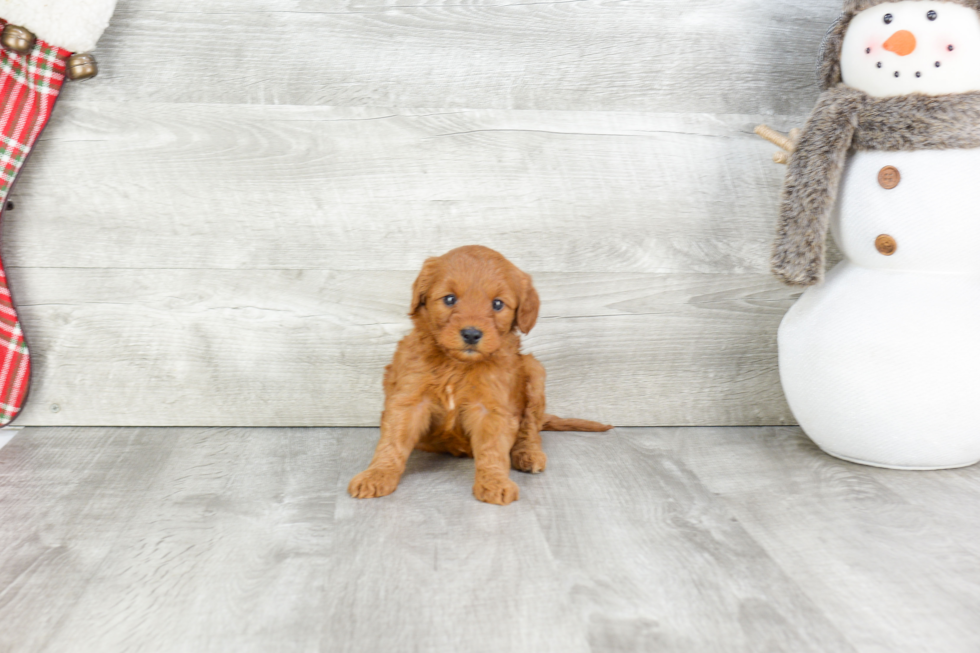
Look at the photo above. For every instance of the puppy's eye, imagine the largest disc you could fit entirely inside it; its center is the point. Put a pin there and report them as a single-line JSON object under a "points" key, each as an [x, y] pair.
{"points": [[932, 15], [498, 304], [449, 300], [888, 19]]}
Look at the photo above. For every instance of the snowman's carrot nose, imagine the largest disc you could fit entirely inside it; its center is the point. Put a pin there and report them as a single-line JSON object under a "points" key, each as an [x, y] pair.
{"points": [[901, 43]]}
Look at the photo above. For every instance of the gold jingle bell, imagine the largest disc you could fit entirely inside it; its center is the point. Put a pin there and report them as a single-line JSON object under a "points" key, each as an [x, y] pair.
{"points": [[82, 66], [17, 39]]}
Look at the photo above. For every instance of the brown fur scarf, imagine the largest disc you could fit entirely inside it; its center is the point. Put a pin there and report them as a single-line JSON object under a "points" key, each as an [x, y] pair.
{"points": [[846, 119]]}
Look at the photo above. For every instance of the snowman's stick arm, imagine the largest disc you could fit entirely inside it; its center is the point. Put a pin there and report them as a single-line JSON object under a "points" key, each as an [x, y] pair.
{"points": [[776, 138], [786, 142]]}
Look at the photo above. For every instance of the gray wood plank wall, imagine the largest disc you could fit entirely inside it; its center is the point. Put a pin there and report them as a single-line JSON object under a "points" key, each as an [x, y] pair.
{"points": [[222, 228]]}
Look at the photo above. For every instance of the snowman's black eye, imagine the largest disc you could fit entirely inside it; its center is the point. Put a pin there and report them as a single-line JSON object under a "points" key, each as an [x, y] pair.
{"points": [[879, 64], [932, 15], [896, 73], [918, 74], [938, 64], [950, 48], [868, 50], [888, 19]]}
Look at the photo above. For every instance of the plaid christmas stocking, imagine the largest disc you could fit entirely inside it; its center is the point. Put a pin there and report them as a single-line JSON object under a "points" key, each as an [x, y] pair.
{"points": [[38, 39], [29, 86]]}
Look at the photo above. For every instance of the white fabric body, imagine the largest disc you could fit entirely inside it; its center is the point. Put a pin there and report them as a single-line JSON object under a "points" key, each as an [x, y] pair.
{"points": [[881, 362], [955, 25], [933, 214], [74, 25]]}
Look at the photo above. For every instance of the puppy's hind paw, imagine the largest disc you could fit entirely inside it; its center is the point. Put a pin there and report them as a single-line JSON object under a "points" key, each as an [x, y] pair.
{"points": [[532, 462], [372, 483], [498, 491]]}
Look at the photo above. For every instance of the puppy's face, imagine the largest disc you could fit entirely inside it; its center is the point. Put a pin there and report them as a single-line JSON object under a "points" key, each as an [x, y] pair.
{"points": [[470, 299]]}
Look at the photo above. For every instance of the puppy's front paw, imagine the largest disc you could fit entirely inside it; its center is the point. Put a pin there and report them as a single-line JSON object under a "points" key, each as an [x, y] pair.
{"points": [[372, 483], [532, 462], [498, 491]]}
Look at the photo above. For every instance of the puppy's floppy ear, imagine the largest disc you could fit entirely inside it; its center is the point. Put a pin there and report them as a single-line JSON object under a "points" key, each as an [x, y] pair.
{"points": [[423, 284], [527, 310]]}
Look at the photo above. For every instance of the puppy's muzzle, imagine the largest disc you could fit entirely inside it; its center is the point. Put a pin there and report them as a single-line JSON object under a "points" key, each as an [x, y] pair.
{"points": [[471, 336]]}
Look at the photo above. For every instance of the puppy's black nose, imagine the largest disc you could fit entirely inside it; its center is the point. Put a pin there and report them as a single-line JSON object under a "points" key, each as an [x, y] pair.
{"points": [[471, 336]]}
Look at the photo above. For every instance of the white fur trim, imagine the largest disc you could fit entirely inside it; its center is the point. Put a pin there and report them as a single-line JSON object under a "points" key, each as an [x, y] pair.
{"points": [[74, 25]]}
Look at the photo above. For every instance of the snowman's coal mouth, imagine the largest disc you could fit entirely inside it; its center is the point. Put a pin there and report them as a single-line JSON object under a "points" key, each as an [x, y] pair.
{"points": [[918, 73]]}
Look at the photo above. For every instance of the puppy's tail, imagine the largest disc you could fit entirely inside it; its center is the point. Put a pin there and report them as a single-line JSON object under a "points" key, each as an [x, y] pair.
{"points": [[552, 423]]}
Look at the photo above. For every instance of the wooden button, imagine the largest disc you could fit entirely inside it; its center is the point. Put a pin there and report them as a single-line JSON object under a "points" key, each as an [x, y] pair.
{"points": [[886, 245], [889, 177]]}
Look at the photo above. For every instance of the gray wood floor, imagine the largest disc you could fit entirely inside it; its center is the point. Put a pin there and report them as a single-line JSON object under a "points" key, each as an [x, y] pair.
{"points": [[708, 539]]}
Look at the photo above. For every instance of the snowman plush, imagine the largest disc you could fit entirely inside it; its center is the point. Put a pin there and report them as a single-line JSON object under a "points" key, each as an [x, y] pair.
{"points": [[880, 360]]}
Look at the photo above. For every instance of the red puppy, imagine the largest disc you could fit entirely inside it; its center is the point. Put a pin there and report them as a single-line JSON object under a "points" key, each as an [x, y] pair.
{"points": [[459, 384]]}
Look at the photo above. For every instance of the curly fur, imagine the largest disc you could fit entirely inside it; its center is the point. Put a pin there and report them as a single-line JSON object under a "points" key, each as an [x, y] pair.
{"points": [[828, 70], [843, 120], [445, 394]]}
